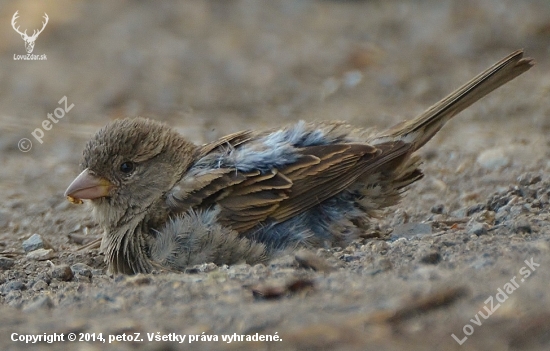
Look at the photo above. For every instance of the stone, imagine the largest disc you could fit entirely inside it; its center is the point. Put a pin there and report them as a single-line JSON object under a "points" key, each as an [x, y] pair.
{"points": [[82, 272], [522, 226], [14, 285], [6, 262], [62, 272], [438, 209], [478, 229], [493, 159], [35, 242], [433, 257], [41, 254], [39, 285]]}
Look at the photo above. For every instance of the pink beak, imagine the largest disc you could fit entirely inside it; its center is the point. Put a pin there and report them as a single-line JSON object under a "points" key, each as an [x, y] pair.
{"points": [[87, 187]]}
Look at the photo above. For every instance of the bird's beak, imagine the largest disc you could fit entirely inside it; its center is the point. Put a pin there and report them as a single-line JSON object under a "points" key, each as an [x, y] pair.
{"points": [[87, 187]]}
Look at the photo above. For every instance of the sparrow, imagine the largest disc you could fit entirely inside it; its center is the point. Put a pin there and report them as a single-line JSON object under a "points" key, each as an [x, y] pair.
{"points": [[166, 203]]}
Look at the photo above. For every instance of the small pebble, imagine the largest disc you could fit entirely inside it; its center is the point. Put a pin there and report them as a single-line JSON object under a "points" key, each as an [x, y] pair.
{"points": [[493, 159], [192, 270], [529, 179], [460, 213], [6, 262], [438, 209], [39, 285], [433, 257], [45, 276], [13, 285], [41, 254], [349, 258], [62, 272], [35, 242], [82, 272], [478, 229], [523, 226], [474, 209]]}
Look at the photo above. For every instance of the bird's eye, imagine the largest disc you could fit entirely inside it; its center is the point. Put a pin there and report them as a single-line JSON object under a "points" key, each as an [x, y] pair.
{"points": [[127, 167]]}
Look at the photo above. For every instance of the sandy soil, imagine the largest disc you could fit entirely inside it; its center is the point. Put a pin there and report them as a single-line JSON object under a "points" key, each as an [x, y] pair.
{"points": [[477, 223]]}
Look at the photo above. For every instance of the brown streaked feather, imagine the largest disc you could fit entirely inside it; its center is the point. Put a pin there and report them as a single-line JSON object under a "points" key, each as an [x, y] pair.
{"points": [[182, 197], [303, 199], [245, 207], [244, 202], [304, 162], [329, 156], [268, 181], [231, 140], [197, 189], [252, 212], [220, 185]]}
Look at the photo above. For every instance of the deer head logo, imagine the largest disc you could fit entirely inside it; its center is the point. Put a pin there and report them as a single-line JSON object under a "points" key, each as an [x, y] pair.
{"points": [[29, 41]]}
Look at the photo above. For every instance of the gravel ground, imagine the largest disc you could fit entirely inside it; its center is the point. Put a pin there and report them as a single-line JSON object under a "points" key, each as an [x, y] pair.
{"points": [[466, 253]]}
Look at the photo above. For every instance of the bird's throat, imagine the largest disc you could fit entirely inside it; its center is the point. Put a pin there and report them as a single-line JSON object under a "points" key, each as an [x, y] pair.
{"points": [[125, 250]]}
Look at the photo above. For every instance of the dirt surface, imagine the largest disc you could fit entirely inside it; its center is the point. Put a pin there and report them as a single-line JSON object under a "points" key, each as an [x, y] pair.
{"points": [[478, 222]]}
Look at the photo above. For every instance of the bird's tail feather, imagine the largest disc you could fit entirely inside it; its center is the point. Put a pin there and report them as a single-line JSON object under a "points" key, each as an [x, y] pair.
{"points": [[422, 128]]}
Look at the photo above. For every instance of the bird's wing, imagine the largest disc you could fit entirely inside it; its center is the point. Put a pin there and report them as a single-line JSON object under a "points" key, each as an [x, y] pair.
{"points": [[338, 168], [232, 140], [247, 198]]}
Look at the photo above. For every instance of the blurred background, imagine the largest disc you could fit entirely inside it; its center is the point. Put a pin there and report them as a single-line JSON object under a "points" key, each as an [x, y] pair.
{"points": [[214, 67]]}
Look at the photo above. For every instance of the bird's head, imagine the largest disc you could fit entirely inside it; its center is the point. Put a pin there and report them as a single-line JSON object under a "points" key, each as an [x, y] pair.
{"points": [[127, 166]]}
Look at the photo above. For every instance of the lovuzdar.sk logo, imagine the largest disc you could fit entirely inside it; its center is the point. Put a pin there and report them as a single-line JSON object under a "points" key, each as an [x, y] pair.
{"points": [[29, 40]]}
